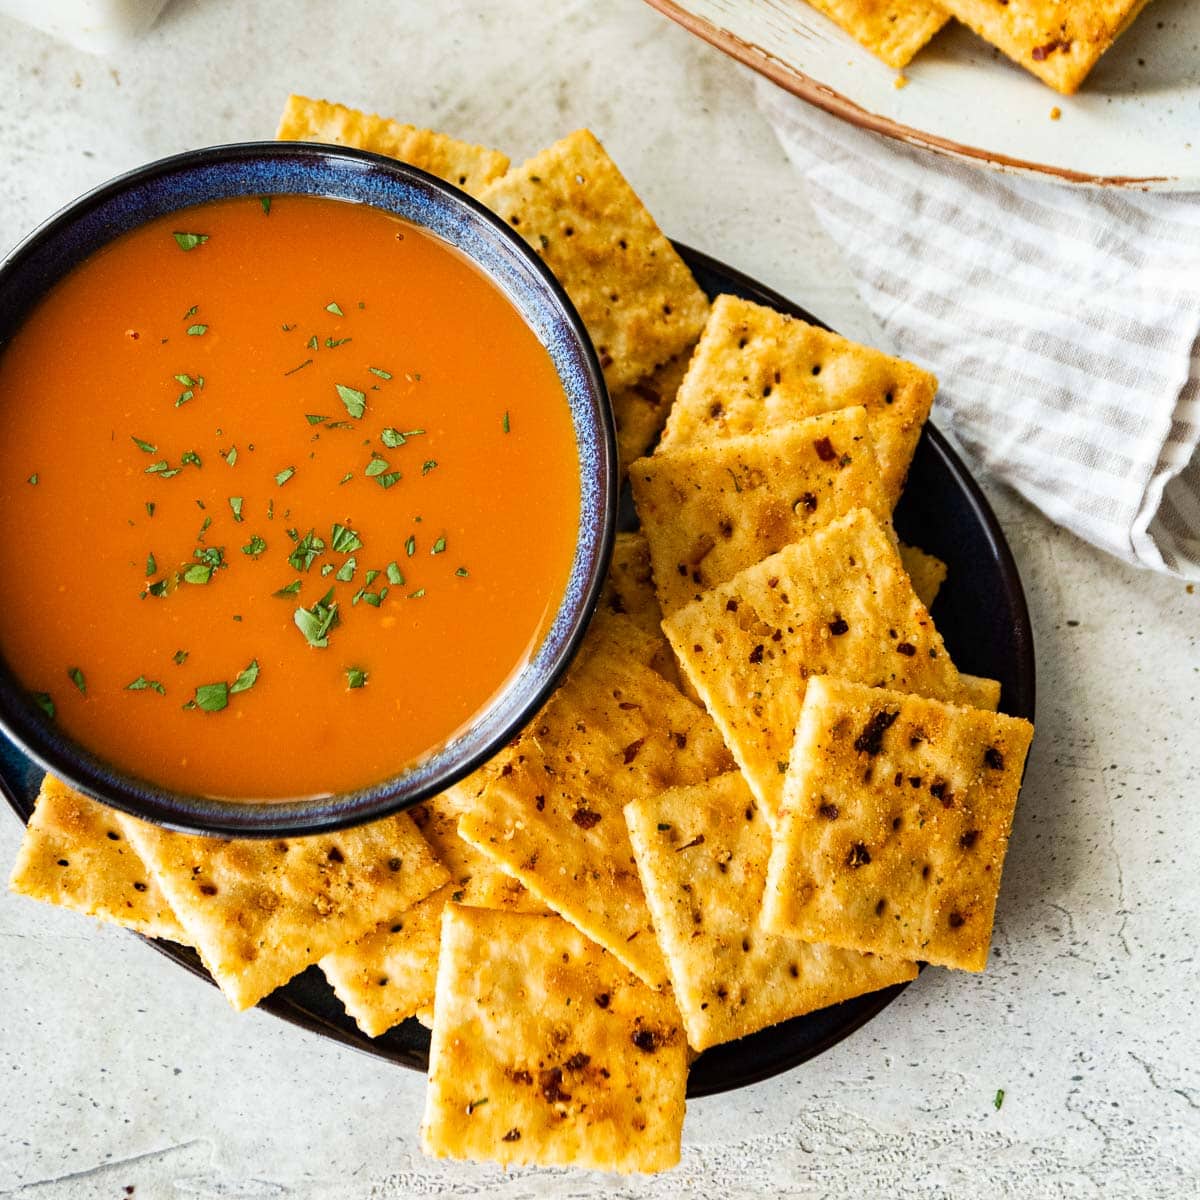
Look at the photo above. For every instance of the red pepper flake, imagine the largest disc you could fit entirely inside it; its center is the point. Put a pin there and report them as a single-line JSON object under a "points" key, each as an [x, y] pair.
{"points": [[646, 1040], [994, 758], [577, 1062], [631, 752], [825, 450], [830, 812], [603, 1000], [1041, 53], [838, 626], [550, 1083], [906, 648], [756, 655], [698, 840], [807, 500], [859, 855], [585, 818], [870, 741], [513, 1135]]}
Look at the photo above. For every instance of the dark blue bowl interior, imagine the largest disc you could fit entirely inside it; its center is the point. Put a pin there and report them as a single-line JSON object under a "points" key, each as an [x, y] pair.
{"points": [[272, 168]]}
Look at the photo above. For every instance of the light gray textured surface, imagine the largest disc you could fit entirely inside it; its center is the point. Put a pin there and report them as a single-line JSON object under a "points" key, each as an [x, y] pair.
{"points": [[117, 1070]]}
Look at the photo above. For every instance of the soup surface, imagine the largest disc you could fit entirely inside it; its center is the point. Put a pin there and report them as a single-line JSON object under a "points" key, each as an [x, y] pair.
{"points": [[288, 492]]}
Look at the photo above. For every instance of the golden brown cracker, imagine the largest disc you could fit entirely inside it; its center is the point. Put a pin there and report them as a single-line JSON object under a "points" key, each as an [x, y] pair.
{"points": [[259, 912], [838, 602], [469, 167], [75, 854], [614, 730], [893, 30], [896, 816], [926, 572], [755, 368], [1060, 41], [635, 294], [977, 692], [711, 510], [547, 1050], [640, 410], [702, 856]]}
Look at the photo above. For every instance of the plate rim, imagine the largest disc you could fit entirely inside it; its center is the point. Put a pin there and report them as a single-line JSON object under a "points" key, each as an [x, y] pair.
{"points": [[728, 1077], [822, 96]]}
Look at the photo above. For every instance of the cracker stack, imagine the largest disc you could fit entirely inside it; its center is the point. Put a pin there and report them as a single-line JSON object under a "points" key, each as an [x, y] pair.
{"points": [[641, 875]]}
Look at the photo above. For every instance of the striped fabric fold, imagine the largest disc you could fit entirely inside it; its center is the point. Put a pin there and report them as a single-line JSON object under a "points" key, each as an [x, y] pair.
{"points": [[1062, 323]]}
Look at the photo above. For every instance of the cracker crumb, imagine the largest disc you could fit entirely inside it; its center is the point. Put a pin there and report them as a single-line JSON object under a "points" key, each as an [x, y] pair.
{"points": [[1055, 113], [901, 81]]}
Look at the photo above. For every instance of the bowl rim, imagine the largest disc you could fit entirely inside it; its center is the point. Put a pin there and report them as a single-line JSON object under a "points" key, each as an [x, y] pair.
{"points": [[466, 750]]}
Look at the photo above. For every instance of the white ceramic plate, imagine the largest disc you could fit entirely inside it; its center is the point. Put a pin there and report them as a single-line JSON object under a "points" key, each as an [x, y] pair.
{"points": [[1134, 123]]}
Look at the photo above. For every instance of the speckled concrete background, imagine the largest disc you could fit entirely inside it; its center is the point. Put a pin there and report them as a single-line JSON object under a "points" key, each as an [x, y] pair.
{"points": [[118, 1072]]}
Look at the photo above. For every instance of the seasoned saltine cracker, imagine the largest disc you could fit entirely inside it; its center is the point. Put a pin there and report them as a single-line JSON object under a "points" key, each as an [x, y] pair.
{"points": [[702, 855], [389, 974], [895, 822], [756, 368], [259, 912], [709, 511], [839, 602], [615, 730], [1060, 41], [635, 294], [978, 692], [640, 410], [75, 854], [546, 1050], [629, 591], [469, 167], [926, 572], [893, 30]]}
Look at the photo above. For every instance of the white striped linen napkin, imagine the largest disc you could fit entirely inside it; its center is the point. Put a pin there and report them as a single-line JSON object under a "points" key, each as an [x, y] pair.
{"points": [[1062, 323]]}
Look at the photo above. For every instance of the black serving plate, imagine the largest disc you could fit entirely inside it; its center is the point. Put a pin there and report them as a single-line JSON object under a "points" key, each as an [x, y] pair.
{"points": [[980, 612]]}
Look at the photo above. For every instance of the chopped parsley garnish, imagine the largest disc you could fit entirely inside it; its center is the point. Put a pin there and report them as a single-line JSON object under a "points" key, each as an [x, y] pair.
{"points": [[316, 622], [346, 570], [255, 546], [150, 507], [292, 589], [344, 540], [356, 677], [507, 426], [380, 372], [314, 418], [417, 594], [148, 447], [307, 362], [439, 546], [235, 503], [151, 565], [210, 697], [190, 458], [197, 573], [189, 241], [246, 679], [307, 549], [281, 477], [197, 330], [335, 308], [231, 456], [163, 469], [76, 677], [392, 438], [394, 574], [388, 480], [377, 466], [312, 344], [191, 312], [33, 479], [180, 657], [428, 465], [265, 201], [410, 545], [334, 343], [185, 379], [142, 684], [158, 588], [372, 575], [354, 400], [462, 572], [45, 703]]}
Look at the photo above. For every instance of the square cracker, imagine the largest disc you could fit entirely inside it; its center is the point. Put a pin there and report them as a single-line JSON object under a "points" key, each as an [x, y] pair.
{"points": [[615, 730], [756, 368], [896, 817], [837, 603], [260, 912], [893, 30], [75, 854], [926, 572], [629, 591], [1060, 41], [641, 409], [702, 855], [469, 167], [389, 974], [546, 1050], [635, 294], [710, 511]]}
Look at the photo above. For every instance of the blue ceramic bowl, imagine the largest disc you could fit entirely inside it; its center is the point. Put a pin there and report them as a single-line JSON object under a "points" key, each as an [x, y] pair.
{"points": [[280, 168]]}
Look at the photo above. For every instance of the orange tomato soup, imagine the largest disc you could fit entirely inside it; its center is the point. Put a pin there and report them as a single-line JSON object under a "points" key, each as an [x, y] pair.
{"points": [[288, 492]]}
